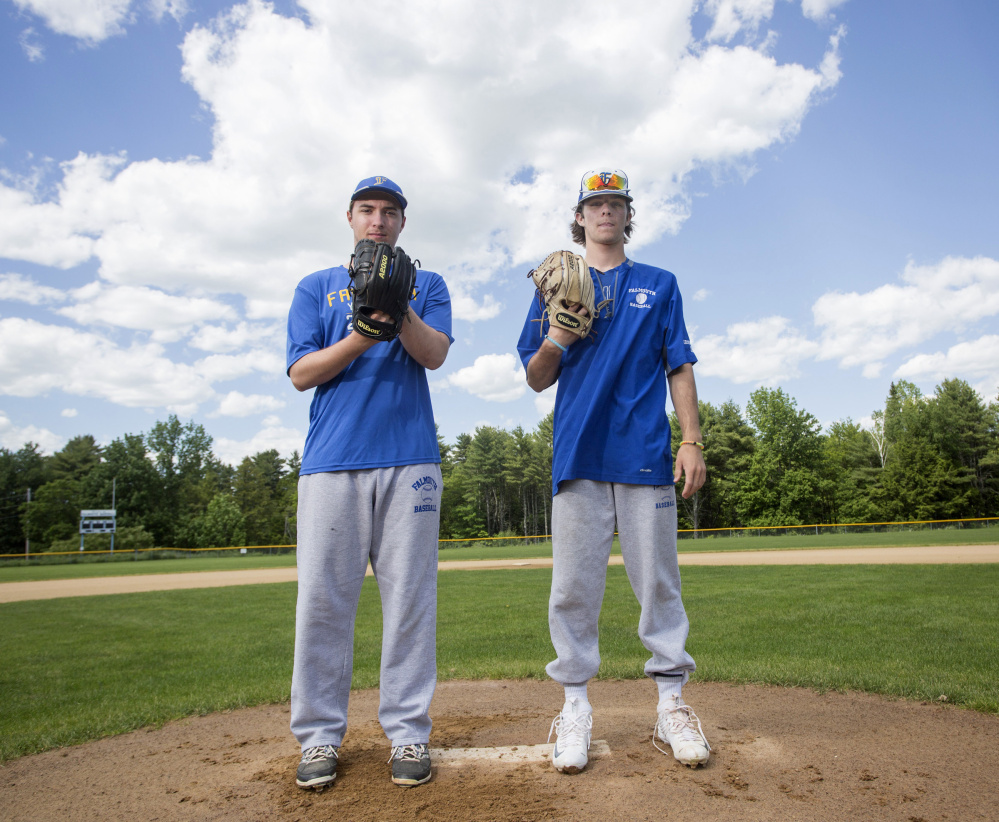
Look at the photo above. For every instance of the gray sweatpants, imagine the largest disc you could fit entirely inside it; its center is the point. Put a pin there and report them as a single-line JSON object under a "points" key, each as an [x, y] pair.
{"points": [[583, 517], [390, 517]]}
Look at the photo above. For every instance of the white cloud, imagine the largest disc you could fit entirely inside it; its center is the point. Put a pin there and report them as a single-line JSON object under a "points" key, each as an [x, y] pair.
{"points": [[158, 9], [272, 436], [221, 340], [864, 329], [732, 16], [92, 21], [764, 352], [988, 388], [829, 67], [13, 437], [973, 359], [493, 377], [44, 232], [69, 413], [485, 92], [700, 295], [819, 9], [219, 367], [88, 20], [32, 49], [464, 307], [236, 404], [167, 316], [36, 358], [17, 287]]}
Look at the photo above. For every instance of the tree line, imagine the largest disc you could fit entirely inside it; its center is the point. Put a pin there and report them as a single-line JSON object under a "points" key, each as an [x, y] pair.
{"points": [[168, 487], [924, 457]]}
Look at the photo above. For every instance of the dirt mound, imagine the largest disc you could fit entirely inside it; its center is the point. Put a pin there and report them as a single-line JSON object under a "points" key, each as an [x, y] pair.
{"points": [[779, 754]]}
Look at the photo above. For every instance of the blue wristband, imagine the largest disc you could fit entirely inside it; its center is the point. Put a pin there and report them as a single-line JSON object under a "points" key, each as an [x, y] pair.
{"points": [[557, 345]]}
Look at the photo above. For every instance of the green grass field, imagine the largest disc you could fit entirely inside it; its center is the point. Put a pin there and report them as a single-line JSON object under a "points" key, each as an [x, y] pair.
{"points": [[77, 669], [100, 566]]}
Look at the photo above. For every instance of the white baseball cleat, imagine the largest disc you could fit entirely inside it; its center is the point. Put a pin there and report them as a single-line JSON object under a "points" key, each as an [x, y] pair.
{"points": [[679, 726], [572, 728]]}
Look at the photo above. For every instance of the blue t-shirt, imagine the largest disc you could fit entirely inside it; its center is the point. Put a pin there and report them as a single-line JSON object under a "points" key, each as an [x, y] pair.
{"points": [[611, 423], [375, 413]]}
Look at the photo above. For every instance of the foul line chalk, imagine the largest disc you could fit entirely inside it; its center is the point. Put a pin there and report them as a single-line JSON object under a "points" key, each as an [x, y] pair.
{"points": [[515, 754]]}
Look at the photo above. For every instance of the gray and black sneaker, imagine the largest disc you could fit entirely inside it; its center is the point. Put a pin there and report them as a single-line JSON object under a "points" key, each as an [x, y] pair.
{"points": [[318, 767], [410, 765]]}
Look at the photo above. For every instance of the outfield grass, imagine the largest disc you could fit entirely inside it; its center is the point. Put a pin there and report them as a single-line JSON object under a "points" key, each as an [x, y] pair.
{"points": [[94, 566], [77, 669]]}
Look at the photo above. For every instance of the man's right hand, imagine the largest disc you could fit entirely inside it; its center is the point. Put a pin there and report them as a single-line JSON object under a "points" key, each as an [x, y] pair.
{"points": [[543, 367], [564, 336]]}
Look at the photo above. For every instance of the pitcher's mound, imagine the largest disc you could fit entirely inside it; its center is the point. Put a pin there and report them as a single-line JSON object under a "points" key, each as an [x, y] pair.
{"points": [[778, 754]]}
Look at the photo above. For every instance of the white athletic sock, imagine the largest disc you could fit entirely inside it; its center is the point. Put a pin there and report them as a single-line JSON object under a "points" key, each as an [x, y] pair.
{"points": [[577, 691], [669, 689]]}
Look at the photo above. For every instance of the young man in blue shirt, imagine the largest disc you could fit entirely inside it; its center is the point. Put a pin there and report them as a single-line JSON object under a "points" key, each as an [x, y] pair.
{"points": [[612, 465], [369, 491]]}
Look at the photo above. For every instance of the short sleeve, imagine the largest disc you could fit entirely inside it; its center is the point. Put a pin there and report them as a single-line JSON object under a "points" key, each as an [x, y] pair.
{"points": [[437, 308], [533, 332], [305, 330], [677, 349]]}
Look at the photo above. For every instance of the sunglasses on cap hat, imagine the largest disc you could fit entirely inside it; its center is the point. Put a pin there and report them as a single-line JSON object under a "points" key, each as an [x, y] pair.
{"points": [[595, 183]]}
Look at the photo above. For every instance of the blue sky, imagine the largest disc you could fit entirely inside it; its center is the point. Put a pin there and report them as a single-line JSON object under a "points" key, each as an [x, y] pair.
{"points": [[821, 176]]}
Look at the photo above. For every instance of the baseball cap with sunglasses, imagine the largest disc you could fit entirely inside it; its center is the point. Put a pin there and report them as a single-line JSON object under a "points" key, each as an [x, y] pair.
{"points": [[597, 183]]}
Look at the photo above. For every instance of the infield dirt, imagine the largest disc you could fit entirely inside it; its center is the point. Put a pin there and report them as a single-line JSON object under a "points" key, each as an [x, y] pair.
{"points": [[779, 754]]}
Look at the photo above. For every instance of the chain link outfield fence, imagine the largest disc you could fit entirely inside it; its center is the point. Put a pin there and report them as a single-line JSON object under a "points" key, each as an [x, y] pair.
{"points": [[124, 552]]}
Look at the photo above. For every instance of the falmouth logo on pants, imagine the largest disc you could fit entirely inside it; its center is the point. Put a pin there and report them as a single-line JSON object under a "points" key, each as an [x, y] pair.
{"points": [[426, 487]]}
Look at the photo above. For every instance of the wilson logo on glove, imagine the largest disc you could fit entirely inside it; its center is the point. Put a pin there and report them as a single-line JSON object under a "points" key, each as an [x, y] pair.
{"points": [[382, 279], [567, 320]]}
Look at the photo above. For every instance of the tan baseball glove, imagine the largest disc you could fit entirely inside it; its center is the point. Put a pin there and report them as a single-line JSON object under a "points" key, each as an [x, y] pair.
{"points": [[564, 281]]}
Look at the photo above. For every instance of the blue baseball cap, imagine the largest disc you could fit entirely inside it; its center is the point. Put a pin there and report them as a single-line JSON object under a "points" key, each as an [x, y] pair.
{"points": [[382, 184]]}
